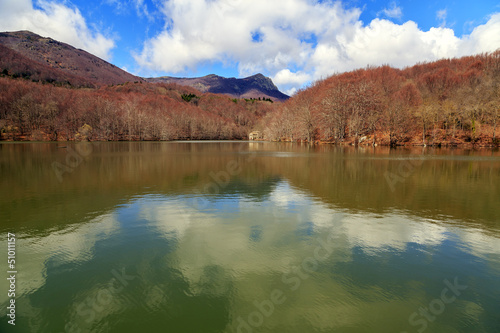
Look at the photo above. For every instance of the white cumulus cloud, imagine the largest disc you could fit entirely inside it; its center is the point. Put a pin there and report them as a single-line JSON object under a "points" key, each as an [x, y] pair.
{"points": [[223, 30], [292, 41], [484, 38], [55, 20], [298, 41], [289, 80]]}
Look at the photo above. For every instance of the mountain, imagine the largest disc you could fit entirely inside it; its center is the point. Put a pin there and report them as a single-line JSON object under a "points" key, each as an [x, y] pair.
{"points": [[28, 55], [23, 53], [251, 87]]}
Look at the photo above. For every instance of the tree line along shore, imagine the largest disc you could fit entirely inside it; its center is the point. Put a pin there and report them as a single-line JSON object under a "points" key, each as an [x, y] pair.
{"points": [[450, 102]]}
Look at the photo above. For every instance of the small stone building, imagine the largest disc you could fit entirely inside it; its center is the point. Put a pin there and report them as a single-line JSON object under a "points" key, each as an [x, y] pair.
{"points": [[255, 135]]}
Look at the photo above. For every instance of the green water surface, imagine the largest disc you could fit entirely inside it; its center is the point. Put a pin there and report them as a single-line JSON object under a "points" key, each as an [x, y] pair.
{"points": [[249, 237]]}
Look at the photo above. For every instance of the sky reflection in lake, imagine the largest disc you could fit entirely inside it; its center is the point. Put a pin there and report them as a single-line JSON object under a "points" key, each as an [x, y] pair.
{"points": [[265, 254]]}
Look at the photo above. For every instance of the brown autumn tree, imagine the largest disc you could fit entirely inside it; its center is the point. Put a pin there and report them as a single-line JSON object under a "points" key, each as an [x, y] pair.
{"points": [[302, 109], [450, 101]]}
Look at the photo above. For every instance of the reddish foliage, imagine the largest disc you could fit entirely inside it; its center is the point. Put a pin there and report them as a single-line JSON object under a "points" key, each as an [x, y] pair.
{"points": [[139, 111], [457, 97], [45, 59]]}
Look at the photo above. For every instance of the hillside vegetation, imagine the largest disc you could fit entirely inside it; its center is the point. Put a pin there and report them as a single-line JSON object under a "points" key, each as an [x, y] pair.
{"points": [[447, 102], [28, 55], [131, 111]]}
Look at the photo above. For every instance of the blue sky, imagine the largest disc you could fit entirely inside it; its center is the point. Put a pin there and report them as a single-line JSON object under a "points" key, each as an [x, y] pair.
{"points": [[292, 41]]}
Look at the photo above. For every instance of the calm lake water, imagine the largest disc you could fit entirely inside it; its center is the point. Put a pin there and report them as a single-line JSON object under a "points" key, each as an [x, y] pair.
{"points": [[250, 237]]}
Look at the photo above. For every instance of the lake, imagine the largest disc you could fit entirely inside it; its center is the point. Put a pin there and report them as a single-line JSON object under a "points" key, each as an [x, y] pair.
{"points": [[249, 237]]}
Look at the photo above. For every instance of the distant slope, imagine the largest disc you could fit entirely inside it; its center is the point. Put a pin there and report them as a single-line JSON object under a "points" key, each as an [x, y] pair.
{"points": [[44, 53], [14, 64], [28, 55], [251, 87]]}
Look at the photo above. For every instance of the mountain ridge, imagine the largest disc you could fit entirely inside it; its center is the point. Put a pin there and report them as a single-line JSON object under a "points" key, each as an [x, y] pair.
{"points": [[62, 58], [255, 86], [31, 56]]}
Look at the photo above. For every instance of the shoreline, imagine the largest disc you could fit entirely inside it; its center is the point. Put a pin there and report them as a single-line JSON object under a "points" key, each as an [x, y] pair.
{"points": [[447, 145]]}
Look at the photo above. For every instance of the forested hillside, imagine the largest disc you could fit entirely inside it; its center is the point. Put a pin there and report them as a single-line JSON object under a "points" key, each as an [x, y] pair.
{"points": [[132, 111], [28, 55], [448, 102]]}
